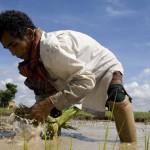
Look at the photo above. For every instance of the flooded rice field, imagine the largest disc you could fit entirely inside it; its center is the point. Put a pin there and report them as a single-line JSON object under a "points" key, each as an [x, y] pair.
{"points": [[89, 136]]}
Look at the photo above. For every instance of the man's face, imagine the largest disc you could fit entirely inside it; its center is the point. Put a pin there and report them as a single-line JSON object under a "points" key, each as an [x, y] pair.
{"points": [[18, 47]]}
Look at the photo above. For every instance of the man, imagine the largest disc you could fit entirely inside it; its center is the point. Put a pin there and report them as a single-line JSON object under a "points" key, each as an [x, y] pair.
{"points": [[67, 68]]}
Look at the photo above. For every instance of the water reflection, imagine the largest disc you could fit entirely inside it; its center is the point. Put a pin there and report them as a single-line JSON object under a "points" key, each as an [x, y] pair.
{"points": [[7, 134], [128, 147]]}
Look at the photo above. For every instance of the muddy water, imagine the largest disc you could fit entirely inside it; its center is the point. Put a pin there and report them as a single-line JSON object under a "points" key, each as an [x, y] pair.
{"points": [[89, 136]]}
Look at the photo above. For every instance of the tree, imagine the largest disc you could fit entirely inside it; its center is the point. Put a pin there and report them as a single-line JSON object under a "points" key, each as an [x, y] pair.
{"points": [[8, 94]]}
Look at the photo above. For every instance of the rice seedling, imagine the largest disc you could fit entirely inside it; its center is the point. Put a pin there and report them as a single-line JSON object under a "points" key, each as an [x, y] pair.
{"points": [[147, 141], [25, 141], [108, 125], [71, 145]]}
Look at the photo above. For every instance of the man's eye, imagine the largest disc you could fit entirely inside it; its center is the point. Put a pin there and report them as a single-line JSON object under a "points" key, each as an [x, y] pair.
{"points": [[14, 45]]}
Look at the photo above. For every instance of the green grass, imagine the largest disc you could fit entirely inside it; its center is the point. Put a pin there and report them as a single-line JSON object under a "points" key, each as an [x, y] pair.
{"points": [[5, 111], [82, 115], [139, 116], [142, 117]]}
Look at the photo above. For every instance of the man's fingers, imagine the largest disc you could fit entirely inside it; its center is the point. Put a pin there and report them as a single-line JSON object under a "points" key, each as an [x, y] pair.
{"points": [[38, 116]]}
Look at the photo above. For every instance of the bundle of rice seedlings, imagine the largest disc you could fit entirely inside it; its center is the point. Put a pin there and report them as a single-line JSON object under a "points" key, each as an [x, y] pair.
{"points": [[52, 125]]}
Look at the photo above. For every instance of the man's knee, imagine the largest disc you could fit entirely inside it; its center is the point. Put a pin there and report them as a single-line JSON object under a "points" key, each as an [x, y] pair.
{"points": [[117, 78]]}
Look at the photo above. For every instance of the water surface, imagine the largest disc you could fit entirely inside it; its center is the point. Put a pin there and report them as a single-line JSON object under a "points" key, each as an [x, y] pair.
{"points": [[89, 136]]}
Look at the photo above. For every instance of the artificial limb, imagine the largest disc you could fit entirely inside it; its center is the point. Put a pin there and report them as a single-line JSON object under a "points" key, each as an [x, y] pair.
{"points": [[120, 105]]}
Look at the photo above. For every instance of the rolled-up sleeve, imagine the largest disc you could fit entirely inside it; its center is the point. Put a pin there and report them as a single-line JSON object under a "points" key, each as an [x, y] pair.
{"points": [[75, 90]]}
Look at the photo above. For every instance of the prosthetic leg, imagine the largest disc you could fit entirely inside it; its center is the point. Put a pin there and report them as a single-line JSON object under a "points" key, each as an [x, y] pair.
{"points": [[124, 120], [120, 105]]}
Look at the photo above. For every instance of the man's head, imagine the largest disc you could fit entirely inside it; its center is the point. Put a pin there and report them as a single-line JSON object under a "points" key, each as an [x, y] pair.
{"points": [[16, 32], [15, 22]]}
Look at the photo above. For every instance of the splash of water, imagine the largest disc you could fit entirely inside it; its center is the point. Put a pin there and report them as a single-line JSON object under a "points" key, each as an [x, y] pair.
{"points": [[18, 131]]}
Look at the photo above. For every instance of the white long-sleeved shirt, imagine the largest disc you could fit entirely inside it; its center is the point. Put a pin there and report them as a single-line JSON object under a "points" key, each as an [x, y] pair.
{"points": [[79, 68]]}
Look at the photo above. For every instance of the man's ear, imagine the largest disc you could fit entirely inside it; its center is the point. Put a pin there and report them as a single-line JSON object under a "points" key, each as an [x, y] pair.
{"points": [[30, 33]]}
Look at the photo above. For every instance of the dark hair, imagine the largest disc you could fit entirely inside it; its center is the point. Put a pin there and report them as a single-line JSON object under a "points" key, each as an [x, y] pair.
{"points": [[15, 22]]}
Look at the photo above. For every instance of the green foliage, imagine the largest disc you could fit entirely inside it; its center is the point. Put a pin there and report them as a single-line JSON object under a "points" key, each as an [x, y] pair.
{"points": [[142, 117], [11, 87], [5, 111], [8, 94]]}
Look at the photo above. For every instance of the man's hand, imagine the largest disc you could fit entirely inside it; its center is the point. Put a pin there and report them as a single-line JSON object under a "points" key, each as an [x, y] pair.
{"points": [[40, 110]]}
